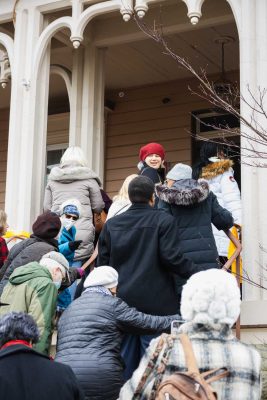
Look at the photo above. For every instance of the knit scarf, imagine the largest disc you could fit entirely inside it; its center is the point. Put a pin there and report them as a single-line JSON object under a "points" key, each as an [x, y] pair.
{"points": [[99, 289]]}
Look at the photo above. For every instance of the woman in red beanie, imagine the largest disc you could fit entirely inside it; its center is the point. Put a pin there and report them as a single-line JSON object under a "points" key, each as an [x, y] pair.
{"points": [[151, 162]]}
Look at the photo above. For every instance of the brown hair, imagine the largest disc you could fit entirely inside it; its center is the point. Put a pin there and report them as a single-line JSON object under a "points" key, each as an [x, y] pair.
{"points": [[3, 219]]}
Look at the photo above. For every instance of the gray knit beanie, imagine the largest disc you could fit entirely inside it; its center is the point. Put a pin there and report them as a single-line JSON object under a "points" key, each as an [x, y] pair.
{"points": [[180, 171]]}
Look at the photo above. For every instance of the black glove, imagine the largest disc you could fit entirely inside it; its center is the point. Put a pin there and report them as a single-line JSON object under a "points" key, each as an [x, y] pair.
{"points": [[74, 245]]}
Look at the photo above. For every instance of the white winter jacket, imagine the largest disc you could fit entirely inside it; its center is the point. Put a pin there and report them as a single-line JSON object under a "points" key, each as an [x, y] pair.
{"points": [[220, 176], [118, 206]]}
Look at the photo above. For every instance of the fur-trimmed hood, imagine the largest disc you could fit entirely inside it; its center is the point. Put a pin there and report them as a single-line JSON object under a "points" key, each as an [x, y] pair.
{"points": [[216, 168], [72, 173], [185, 192]]}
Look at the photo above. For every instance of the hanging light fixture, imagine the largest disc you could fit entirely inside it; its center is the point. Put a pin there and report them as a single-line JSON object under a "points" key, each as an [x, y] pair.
{"points": [[225, 89]]}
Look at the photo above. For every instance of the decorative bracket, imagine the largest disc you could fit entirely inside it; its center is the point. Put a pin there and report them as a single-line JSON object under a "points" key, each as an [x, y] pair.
{"points": [[141, 8], [194, 10], [5, 71], [126, 9]]}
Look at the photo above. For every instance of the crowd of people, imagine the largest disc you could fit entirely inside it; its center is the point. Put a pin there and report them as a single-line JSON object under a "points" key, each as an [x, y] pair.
{"points": [[156, 283]]}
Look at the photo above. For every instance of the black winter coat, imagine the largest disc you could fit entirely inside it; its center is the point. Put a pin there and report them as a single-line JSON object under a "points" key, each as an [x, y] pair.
{"points": [[142, 244], [90, 333], [28, 250], [195, 208], [156, 175], [26, 374]]}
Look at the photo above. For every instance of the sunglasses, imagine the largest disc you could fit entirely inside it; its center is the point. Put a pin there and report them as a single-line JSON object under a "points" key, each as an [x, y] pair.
{"points": [[73, 217]]}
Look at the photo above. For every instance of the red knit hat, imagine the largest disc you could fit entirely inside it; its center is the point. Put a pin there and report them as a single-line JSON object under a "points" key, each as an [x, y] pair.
{"points": [[151, 148]]}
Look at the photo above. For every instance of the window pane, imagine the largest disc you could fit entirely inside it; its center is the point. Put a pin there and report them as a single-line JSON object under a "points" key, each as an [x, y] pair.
{"points": [[53, 157]]}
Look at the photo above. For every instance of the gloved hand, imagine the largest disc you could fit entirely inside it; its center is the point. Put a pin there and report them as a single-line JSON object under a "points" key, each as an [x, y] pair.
{"points": [[75, 244]]}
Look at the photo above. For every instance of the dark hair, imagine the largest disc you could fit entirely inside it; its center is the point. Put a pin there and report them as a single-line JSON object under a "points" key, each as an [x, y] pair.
{"points": [[141, 189], [207, 150], [18, 326]]}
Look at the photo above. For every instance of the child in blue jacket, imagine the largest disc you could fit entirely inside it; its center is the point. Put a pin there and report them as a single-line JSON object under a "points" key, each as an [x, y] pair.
{"points": [[70, 213]]}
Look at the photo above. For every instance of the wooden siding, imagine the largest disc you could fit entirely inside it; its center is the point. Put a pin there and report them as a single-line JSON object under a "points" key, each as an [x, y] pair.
{"points": [[58, 129], [57, 133], [4, 123], [141, 116]]}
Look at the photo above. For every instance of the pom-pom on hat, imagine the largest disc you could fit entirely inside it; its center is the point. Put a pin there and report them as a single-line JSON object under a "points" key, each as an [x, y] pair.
{"points": [[102, 276], [180, 171], [47, 225], [151, 148], [211, 298]]}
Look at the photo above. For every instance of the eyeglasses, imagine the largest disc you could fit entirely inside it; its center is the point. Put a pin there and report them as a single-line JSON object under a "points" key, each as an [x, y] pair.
{"points": [[74, 217], [65, 277]]}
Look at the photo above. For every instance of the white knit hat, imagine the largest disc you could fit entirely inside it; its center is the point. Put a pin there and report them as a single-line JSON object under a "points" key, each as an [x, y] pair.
{"points": [[102, 276], [179, 171], [212, 298]]}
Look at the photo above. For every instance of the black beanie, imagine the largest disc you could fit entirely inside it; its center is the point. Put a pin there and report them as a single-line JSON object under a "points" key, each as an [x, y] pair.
{"points": [[141, 189], [47, 225]]}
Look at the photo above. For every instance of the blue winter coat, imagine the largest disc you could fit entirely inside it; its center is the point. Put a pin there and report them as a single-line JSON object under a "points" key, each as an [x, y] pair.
{"points": [[63, 243]]}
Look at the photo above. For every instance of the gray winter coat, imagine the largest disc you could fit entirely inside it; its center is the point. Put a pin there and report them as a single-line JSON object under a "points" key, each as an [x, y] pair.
{"points": [[89, 340], [83, 184], [32, 249]]}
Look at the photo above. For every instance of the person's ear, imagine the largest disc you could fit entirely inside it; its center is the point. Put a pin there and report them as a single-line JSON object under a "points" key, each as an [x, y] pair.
{"points": [[152, 200]]}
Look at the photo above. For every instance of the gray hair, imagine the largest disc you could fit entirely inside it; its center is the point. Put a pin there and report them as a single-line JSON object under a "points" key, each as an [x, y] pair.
{"points": [[18, 326]]}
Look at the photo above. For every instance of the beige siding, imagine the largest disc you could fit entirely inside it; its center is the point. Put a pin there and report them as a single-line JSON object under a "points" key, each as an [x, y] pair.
{"points": [[58, 129], [4, 123], [58, 133], [141, 117]]}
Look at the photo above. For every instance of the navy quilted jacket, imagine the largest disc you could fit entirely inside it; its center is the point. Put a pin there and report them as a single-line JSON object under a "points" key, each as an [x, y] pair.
{"points": [[90, 333]]}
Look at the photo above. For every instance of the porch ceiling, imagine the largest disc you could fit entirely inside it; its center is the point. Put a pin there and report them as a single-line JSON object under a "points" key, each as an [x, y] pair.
{"points": [[141, 63], [134, 60]]}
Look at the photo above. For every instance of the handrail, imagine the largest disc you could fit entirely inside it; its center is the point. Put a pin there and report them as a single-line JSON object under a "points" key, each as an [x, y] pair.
{"points": [[227, 265], [90, 262], [22, 237], [237, 251]]}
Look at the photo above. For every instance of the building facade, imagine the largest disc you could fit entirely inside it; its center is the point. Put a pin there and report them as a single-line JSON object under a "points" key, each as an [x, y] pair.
{"points": [[81, 72]]}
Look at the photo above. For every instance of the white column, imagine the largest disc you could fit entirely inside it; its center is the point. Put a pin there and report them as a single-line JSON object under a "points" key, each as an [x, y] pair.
{"points": [[99, 128], [76, 97], [28, 125], [40, 137], [253, 66], [261, 194], [16, 111], [92, 139]]}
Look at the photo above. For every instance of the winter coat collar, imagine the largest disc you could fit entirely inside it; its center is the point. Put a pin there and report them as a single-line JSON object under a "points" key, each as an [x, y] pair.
{"points": [[216, 168], [206, 332], [52, 242], [136, 206], [71, 173], [185, 192], [19, 348]]}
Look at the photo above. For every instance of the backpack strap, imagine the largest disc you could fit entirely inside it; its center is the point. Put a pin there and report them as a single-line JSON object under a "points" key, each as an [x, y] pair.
{"points": [[190, 359], [191, 364], [150, 367], [215, 376]]}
